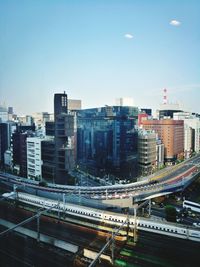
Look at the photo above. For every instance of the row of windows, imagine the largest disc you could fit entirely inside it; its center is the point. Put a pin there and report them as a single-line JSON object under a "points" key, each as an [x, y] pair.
{"points": [[159, 228], [107, 217]]}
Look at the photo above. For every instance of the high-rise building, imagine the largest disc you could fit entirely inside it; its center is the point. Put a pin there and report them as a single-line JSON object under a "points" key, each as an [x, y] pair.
{"points": [[191, 132], [10, 110], [107, 140], [48, 159], [6, 130], [40, 119], [34, 159], [4, 141], [10, 113], [74, 104], [141, 117], [63, 146], [171, 133], [124, 101], [160, 153], [64, 138], [8, 160], [19, 148], [148, 111], [146, 152], [168, 110], [3, 113]]}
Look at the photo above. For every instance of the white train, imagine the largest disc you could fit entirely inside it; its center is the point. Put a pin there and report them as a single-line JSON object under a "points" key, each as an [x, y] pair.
{"points": [[191, 205], [110, 218]]}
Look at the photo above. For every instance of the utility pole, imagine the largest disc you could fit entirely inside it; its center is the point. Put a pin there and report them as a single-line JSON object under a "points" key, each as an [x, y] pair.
{"points": [[112, 248], [64, 200], [79, 196], [110, 241], [59, 210]]}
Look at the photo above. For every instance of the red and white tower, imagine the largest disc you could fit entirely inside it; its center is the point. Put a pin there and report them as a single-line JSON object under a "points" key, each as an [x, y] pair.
{"points": [[165, 96]]}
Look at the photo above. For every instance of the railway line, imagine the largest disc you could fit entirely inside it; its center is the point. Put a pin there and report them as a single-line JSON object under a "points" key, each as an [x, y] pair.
{"points": [[111, 218]]}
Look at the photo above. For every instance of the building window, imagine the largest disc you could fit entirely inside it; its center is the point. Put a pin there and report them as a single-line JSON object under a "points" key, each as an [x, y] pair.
{"points": [[64, 101]]}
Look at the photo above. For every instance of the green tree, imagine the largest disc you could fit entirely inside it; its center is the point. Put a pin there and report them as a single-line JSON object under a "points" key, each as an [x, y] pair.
{"points": [[43, 183], [70, 179], [170, 213]]}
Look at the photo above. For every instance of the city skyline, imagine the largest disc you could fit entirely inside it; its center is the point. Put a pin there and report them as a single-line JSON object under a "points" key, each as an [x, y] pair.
{"points": [[98, 52]]}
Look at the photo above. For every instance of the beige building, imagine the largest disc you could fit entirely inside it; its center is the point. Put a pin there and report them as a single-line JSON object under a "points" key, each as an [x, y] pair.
{"points": [[74, 104], [171, 133], [192, 132]]}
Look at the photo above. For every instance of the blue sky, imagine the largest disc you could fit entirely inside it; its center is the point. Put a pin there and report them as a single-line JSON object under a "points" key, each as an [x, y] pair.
{"points": [[98, 51]]}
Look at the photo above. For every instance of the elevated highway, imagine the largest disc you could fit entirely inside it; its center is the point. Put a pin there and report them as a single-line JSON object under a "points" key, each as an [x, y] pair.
{"points": [[175, 179]]}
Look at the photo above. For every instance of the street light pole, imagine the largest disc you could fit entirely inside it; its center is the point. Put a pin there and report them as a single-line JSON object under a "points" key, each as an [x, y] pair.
{"points": [[149, 207]]}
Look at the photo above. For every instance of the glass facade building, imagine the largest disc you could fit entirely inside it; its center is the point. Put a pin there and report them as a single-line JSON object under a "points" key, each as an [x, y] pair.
{"points": [[107, 140]]}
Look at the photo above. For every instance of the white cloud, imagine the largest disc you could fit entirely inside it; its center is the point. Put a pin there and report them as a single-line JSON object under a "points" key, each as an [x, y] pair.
{"points": [[175, 22], [128, 36]]}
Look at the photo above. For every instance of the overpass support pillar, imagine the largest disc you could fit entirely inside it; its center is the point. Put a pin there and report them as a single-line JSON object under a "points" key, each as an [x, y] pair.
{"points": [[38, 228], [135, 226], [149, 207]]}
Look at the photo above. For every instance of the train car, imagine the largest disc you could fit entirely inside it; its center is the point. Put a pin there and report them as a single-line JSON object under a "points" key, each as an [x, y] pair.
{"points": [[191, 205], [111, 218]]}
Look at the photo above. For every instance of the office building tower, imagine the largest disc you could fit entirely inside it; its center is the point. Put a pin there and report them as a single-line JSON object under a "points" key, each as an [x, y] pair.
{"points": [[10, 110], [63, 145], [107, 140], [124, 101], [64, 138], [48, 159], [141, 117], [19, 148], [40, 119], [148, 111], [191, 132], [3, 113], [160, 153], [74, 104], [34, 159], [6, 130], [146, 152], [4, 141]]}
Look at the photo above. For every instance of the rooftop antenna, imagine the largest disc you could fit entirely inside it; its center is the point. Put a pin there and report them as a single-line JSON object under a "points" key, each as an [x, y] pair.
{"points": [[165, 96]]}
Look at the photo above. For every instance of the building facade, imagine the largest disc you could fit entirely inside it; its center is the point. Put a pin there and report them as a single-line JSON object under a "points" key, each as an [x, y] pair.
{"points": [[34, 159], [19, 148], [146, 152], [3, 113], [160, 154], [191, 131], [59, 153], [107, 140], [171, 133], [6, 130], [74, 104]]}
